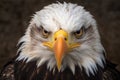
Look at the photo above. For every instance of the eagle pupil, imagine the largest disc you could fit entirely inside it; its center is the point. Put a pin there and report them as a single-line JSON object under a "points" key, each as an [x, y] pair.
{"points": [[45, 31], [78, 32]]}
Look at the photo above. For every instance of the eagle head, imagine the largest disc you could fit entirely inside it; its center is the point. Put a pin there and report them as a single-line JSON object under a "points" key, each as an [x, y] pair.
{"points": [[63, 35]]}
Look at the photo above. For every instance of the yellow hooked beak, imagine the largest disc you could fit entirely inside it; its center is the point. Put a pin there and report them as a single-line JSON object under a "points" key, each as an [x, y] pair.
{"points": [[60, 45]]}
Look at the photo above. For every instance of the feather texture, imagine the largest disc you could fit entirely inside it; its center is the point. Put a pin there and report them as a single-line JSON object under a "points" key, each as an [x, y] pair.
{"points": [[36, 61], [19, 70], [69, 17]]}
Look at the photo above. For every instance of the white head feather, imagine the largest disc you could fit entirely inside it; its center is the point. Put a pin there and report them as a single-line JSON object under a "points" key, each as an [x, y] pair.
{"points": [[69, 17]]}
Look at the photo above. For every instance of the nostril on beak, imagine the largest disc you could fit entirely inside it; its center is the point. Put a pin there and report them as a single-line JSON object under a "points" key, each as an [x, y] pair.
{"points": [[65, 39], [55, 39]]}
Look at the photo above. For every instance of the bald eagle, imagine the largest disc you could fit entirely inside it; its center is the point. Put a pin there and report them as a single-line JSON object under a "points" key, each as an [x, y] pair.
{"points": [[62, 42]]}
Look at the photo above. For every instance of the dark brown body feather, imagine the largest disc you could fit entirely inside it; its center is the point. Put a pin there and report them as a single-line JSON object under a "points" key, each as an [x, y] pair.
{"points": [[19, 70]]}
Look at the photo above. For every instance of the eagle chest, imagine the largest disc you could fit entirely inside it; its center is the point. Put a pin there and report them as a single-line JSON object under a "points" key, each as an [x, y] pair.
{"points": [[29, 71]]}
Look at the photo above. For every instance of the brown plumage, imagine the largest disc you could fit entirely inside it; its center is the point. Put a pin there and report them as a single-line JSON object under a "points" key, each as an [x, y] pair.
{"points": [[15, 70]]}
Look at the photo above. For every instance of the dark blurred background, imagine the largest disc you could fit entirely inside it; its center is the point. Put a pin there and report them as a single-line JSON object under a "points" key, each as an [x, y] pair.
{"points": [[16, 14]]}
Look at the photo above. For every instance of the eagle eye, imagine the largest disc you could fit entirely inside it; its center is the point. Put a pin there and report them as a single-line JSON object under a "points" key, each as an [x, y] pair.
{"points": [[79, 33], [45, 33]]}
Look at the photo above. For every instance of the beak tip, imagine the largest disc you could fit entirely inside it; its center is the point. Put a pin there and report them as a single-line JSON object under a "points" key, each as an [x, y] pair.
{"points": [[59, 67]]}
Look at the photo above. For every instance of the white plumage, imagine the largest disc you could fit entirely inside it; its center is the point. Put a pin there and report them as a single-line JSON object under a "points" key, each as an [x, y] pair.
{"points": [[70, 18]]}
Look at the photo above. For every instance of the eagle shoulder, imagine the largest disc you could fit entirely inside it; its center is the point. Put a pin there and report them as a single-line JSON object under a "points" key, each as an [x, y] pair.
{"points": [[111, 73], [7, 72]]}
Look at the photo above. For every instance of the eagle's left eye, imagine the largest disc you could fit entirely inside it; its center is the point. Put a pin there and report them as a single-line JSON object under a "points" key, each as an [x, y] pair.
{"points": [[45, 33], [79, 33]]}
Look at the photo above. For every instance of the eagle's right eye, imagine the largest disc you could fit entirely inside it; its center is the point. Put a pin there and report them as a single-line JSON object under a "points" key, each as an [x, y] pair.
{"points": [[45, 33]]}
